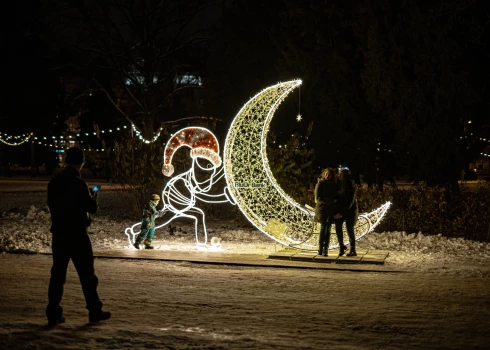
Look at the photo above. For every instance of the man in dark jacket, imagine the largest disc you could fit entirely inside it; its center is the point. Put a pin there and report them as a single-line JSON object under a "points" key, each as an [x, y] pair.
{"points": [[69, 201], [347, 208]]}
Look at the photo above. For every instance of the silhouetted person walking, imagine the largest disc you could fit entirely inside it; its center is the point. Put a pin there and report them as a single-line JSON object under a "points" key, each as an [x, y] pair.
{"points": [[69, 201]]}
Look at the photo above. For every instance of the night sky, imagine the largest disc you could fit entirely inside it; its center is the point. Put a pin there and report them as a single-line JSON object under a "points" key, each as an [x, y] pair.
{"points": [[381, 80]]}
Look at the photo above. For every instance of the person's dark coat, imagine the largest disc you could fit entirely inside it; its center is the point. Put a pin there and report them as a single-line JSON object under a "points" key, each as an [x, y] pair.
{"points": [[325, 194], [346, 201], [69, 201]]}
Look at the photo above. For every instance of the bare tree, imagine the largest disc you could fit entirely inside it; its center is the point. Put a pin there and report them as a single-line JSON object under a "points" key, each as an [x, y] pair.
{"points": [[134, 50]]}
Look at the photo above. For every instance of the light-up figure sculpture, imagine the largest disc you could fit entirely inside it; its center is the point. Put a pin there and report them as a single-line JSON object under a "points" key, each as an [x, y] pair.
{"points": [[250, 182], [182, 194]]}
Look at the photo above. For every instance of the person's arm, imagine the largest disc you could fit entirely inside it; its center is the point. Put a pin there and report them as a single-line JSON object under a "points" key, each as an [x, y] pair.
{"points": [[352, 194], [154, 211], [147, 212], [317, 188], [91, 205]]}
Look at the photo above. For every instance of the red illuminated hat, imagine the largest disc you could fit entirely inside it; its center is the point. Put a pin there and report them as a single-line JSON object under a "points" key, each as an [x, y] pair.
{"points": [[202, 142]]}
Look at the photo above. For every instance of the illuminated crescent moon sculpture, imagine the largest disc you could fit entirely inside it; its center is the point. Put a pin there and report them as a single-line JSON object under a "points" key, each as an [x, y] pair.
{"points": [[254, 188]]}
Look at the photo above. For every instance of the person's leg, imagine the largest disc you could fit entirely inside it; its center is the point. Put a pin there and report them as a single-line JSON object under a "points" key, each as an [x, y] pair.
{"points": [[328, 230], [61, 258], [83, 259], [338, 227], [340, 239], [321, 240], [141, 237], [339, 223], [352, 237], [149, 237]]}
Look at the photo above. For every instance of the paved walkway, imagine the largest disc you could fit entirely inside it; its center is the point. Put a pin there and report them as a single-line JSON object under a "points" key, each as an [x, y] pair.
{"points": [[365, 262]]}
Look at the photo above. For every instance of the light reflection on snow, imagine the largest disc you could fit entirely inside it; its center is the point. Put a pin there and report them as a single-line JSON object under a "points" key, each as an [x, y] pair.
{"points": [[199, 330]]}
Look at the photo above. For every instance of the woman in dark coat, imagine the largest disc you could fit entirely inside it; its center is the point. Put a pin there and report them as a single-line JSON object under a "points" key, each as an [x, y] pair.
{"points": [[325, 192], [346, 210]]}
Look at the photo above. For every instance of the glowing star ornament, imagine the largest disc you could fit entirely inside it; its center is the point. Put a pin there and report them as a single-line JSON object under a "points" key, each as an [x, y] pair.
{"points": [[299, 118]]}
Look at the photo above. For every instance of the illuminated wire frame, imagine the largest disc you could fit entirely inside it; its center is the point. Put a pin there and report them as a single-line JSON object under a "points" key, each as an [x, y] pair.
{"points": [[183, 192], [366, 223], [22, 139], [250, 183], [253, 186]]}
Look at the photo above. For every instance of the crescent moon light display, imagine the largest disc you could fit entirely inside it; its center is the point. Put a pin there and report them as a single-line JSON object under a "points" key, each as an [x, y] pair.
{"points": [[254, 188]]}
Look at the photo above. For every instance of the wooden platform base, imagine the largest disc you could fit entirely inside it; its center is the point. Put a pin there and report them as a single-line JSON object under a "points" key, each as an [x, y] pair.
{"points": [[376, 257]]}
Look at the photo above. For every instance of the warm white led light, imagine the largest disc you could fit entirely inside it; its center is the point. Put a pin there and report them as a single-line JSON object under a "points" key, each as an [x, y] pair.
{"points": [[253, 186], [139, 136], [250, 182], [19, 140]]}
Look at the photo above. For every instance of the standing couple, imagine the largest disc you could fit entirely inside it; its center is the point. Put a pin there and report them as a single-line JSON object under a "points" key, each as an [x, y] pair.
{"points": [[335, 198]]}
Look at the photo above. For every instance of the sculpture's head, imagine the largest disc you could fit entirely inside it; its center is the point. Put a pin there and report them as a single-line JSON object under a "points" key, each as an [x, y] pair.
{"points": [[202, 142]]}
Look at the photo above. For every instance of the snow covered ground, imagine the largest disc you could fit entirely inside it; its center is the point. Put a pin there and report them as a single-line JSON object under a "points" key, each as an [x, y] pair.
{"points": [[25, 222], [442, 301]]}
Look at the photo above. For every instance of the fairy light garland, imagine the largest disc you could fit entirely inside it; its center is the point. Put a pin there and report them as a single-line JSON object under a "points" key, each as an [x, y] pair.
{"points": [[140, 136], [5, 138], [43, 140], [60, 142]]}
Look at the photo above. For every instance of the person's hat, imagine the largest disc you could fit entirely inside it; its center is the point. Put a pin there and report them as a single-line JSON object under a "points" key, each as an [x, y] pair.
{"points": [[74, 156], [202, 142], [155, 197]]}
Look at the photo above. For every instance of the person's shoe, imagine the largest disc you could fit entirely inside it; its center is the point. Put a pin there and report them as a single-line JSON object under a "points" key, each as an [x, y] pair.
{"points": [[147, 246], [96, 317], [325, 253], [55, 322], [136, 245], [343, 248], [351, 253], [54, 315], [320, 252]]}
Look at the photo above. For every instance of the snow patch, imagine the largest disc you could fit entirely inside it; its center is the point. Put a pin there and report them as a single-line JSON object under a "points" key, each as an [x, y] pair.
{"points": [[27, 230]]}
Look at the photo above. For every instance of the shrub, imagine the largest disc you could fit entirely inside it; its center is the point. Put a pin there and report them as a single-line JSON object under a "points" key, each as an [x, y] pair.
{"points": [[432, 211]]}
